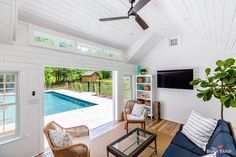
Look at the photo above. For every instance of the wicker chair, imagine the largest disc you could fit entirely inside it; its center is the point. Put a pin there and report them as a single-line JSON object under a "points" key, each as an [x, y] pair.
{"points": [[133, 119], [80, 140]]}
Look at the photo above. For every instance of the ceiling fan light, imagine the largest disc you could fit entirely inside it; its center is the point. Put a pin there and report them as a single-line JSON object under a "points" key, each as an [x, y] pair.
{"points": [[132, 17]]}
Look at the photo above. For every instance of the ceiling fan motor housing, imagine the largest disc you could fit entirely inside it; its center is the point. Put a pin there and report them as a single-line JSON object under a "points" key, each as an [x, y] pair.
{"points": [[131, 1], [132, 14]]}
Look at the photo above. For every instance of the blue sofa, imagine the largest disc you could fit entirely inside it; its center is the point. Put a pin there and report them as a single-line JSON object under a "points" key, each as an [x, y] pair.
{"points": [[222, 141]]}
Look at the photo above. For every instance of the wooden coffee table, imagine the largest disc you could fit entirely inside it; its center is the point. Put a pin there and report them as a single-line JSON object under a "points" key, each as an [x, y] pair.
{"points": [[132, 144]]}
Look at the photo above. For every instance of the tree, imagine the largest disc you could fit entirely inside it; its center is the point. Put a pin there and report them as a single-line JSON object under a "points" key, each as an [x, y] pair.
{"points": [[221, 84], [105, 74], [49, 76]]}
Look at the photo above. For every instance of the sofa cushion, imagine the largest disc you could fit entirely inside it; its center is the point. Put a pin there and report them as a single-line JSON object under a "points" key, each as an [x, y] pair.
{"points": [[131, 117], [181, 140], [222, 126], [210, 155], [216, 155], [221, 155], [81, 140], [177, 151], [199, 129], [223, 143]]}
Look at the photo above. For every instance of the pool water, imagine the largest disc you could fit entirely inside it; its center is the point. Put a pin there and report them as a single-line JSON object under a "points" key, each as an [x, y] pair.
{"points": [[57, 103], [53, 103], [8, 99]]}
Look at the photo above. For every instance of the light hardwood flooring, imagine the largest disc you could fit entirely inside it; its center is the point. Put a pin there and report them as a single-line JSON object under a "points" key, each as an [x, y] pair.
{"points": [[163, 126]]}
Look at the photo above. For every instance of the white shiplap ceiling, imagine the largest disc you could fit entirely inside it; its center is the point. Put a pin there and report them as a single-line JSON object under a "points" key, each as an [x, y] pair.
{"points": [[213, 21]]}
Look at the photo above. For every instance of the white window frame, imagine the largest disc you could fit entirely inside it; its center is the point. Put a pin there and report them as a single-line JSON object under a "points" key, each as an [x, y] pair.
{"points": [[76, 41], [56, 37], [102, 51], [9, 137], [131, 86]]}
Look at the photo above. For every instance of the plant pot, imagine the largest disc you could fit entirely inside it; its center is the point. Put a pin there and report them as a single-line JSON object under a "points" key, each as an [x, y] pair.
{"points": [[147, 88]]}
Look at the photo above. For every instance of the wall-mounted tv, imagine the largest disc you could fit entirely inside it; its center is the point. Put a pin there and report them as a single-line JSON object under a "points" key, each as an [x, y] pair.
{"points": [[178, 79]]}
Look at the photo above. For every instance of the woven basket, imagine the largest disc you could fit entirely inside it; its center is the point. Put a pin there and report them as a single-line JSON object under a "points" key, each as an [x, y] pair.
{"points": [[147, 103], [147, 88]]}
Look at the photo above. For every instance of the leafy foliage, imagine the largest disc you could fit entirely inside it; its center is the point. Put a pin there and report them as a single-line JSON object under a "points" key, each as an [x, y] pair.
{"points": [[220, 83], [60, 76]]}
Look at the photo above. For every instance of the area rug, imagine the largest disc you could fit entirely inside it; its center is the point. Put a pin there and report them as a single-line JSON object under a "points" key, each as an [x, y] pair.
{"points": [[98, 145]]}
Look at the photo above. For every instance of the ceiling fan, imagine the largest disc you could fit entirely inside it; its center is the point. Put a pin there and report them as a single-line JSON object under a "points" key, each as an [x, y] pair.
{"points": [[132, 13]]}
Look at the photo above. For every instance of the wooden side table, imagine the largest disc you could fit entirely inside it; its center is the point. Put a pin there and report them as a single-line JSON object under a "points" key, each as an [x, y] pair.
{"points": [[157, 110]]}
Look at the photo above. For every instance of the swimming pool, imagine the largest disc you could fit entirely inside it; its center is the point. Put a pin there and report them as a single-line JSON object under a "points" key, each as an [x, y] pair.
{"points": [[53, 103], [57, 103]]}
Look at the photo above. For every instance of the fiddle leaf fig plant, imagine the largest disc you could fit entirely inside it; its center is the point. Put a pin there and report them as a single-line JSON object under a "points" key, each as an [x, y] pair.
{"points": [[220, 83]]}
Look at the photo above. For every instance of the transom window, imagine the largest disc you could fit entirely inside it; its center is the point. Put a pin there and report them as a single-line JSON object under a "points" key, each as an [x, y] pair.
{"points": [[8, 94], [57, 42], [99, 52], [88, 49], [51, 40]]}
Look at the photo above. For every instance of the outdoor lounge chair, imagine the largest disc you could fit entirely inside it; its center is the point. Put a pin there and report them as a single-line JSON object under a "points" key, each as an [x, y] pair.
{"points": [[80, 140]]}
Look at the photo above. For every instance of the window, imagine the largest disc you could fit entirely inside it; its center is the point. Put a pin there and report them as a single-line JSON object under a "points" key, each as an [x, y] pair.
{"points": [[128, 91], [8, 94], [99, 52], [71, 44], [91, 50], [111, 54], [51, 40]]}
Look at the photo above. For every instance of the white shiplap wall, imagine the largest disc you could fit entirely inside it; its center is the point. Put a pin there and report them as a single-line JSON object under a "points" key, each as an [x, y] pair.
{"points": [[176, 104], [29, 61]]}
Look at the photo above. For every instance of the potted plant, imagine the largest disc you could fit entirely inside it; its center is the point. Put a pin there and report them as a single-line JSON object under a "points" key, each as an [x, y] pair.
{"points": [[143, 71], [221, 83]]}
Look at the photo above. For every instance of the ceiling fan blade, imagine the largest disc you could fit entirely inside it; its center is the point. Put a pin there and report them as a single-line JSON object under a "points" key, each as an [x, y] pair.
{"points": [[140, 4], [141, 22], [113, 18]]}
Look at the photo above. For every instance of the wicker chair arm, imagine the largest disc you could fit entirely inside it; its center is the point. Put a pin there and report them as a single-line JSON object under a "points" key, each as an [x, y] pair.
{"points": [[78, 131], [126, 111], [128, 108], [70, 147], [145, 114]]}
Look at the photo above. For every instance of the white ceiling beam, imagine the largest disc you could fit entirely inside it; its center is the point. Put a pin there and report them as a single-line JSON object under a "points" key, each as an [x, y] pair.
{"points": [[142, 47], [8, 18]]}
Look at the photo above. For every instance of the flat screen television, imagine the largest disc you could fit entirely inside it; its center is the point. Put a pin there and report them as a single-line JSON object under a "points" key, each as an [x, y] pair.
{"points": [[178, 79]]}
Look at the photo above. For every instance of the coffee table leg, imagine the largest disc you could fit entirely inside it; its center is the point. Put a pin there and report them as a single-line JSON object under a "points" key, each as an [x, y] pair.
{"points": [[107, 153], [156, 146]]}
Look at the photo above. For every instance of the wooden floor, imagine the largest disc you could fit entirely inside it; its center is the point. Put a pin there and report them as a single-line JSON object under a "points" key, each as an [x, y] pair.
{"points": [[164, 126]]}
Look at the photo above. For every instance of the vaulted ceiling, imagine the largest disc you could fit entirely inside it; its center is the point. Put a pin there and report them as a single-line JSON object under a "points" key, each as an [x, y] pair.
{"points": [[213, 21]]}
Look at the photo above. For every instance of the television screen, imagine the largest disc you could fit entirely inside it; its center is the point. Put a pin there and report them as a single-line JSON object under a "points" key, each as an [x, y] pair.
{"points": [[178, 79]]}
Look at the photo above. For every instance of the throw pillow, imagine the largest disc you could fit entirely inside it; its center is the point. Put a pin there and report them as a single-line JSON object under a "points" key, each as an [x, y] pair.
{"points": [[138, 110], [59, 138], [199, 129]]}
